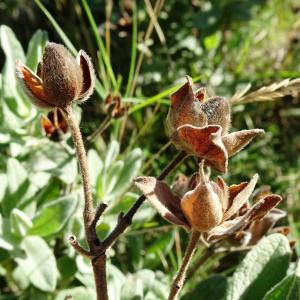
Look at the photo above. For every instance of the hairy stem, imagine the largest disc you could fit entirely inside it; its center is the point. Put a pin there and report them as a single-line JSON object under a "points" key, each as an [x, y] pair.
{"points": [[98, 262], [88, 214], [126, 220], [181, 274]]}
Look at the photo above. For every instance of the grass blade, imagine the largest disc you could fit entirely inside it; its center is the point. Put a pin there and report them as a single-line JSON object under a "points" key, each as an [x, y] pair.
{"points": [[157, 97], [100, 43], [58, 29], [133, 51], [98, 86]]}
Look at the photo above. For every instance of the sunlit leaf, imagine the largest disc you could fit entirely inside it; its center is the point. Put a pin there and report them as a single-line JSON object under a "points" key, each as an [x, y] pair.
{"points": [[35, 48], [264, 266], [20, 223], [54, 216], [38, 264], [287, 289], [13, 95]]}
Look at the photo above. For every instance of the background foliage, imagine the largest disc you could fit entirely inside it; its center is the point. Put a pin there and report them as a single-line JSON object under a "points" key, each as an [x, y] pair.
{"points": [[224, 45]]}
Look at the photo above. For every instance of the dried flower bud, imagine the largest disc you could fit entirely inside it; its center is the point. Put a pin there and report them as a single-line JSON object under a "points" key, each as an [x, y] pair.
{"points": [[54, 125], [60, 78], [190, 108], [114, 106]]}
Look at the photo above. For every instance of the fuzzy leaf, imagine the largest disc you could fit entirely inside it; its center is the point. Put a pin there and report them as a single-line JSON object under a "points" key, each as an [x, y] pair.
{"points": [[38, 264], [35, 48], [54, 216], [20, 223], [264, 266]]}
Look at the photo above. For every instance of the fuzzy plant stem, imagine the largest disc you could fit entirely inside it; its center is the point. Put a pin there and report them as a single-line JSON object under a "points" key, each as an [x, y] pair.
{"points": [[181, 274], [98, 262]]}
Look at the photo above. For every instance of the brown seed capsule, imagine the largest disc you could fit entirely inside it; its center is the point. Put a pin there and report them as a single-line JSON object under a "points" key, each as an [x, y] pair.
{"points": [[202, 206], [61, 75], [60, 78], [217, 110]]}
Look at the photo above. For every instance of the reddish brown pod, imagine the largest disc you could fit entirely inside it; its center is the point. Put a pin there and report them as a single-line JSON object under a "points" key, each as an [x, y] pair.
{"points": [[200, 127], [60, 78]]}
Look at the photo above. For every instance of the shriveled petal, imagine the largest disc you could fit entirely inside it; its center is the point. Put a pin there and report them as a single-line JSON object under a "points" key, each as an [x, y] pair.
{"points": [[184, 92], [258, 211], [200, 94], [225, 229], [241, 198], [61, 121], [206, 143], [47, 125], [259, 228], [88, 75], [56, 119], [236, 141], [235, 189], [163, 200], [276, 214], [263, 206], [224, 192], [33, 86]]}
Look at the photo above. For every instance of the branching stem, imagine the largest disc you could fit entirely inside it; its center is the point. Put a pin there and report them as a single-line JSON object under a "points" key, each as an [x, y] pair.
{"points": [[91, 215]]}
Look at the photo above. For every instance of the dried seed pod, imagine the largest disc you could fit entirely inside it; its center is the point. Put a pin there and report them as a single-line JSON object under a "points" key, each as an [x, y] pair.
{"points": [[200, 127], [217, 110], [61, 75], [60, 78], [185, 108], [210, 207], [202, 206]]}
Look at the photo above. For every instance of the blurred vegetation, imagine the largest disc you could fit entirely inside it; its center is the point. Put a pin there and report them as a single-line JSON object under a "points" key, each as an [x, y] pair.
{"points": [[224, 45]]}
